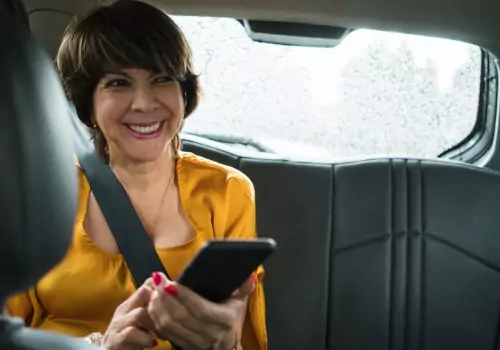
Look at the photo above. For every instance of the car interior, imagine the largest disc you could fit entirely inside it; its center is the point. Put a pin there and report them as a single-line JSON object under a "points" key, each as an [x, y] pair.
{"points": [[378, 251]]}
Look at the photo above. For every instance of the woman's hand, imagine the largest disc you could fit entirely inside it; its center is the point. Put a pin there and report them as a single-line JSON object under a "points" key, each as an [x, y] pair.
{"points": [[192, 322], [131, 327]]}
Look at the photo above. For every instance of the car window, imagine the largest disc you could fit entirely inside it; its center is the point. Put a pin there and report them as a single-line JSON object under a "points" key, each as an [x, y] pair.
{"points": [[377, 93]]}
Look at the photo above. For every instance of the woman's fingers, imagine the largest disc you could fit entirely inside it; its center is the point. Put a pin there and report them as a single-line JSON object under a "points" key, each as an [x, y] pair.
{"points": [[247, 288], [131, 327], [130, 338], [199, 307], [187, 319], [139, 299], [136, 338], [173, 321], [159, 279], [149, 283], [139, 318]]}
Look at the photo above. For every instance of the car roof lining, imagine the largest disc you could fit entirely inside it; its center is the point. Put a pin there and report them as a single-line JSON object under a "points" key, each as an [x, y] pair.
{"points": [[469, 21]]}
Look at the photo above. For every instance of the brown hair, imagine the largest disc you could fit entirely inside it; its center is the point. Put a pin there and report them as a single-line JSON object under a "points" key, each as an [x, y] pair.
{"points": [[123, 33]]}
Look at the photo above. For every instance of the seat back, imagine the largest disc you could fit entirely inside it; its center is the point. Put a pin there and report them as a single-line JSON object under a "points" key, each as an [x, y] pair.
{"points": [[38, 180], [379, 254], [294, 207], [415, 262]]}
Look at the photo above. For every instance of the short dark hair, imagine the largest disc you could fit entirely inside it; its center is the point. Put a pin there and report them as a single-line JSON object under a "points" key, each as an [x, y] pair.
{"points": [[123, 33]]}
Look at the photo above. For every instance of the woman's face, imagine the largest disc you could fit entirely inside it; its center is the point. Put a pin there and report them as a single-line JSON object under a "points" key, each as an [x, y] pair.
{"points": [[139, 112]]}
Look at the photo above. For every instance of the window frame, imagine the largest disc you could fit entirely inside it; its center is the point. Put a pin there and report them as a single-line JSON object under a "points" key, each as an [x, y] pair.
{"points": [[481, 138]]}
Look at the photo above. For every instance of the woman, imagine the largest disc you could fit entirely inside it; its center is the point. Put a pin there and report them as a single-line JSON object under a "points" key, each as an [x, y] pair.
{"points": [[127, 69]]}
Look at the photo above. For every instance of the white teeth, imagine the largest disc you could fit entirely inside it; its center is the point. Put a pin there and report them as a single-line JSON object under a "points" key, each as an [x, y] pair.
{"points": [[145, 129]]}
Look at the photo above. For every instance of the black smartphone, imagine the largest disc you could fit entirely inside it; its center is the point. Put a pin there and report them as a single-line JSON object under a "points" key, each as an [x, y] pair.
{"points": [[221, 266]]}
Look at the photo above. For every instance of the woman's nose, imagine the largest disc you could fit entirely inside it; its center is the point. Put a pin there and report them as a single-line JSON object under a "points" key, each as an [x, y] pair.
{"points": [[144, 100]]}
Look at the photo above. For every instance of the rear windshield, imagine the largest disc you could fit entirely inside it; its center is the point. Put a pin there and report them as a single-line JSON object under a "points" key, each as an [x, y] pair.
{"points": [[377, 93]]}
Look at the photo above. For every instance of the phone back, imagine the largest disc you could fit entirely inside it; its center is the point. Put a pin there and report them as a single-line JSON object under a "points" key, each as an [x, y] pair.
{"points": [[222, 266]]}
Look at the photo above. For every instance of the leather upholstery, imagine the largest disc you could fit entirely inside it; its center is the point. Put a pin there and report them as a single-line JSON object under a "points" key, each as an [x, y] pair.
{"points": [[294, 207], [415, 256], [38, 180], [386, 254], [207, 152]]}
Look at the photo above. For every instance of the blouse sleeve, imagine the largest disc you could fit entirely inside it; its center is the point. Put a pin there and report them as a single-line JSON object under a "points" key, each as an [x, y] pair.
{"points": [[241, 224], [19, 305]]}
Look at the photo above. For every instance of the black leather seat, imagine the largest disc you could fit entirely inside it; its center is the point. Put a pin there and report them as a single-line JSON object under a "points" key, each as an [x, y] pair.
{"points": [[386, 254], [415, 256], [38, 181], [293, 204]]}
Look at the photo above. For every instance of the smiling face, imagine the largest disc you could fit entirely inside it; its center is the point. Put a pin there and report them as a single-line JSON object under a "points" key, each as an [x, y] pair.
{"points": [[138, 112], [128, 103]]}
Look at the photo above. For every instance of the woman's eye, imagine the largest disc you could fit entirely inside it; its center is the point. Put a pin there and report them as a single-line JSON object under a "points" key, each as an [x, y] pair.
{"points": [[117, 83], [163, 79]]}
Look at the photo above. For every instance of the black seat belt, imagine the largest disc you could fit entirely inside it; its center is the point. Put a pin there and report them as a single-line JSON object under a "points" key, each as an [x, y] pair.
{"points": [[130, 235]]}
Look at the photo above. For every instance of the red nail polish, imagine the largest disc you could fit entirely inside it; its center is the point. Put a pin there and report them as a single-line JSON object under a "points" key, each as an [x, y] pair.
{"points": [[156, 278], [155, 343], [171, 289], [253, 276]]}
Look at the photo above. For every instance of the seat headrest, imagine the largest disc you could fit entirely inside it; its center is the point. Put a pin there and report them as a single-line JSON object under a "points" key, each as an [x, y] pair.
{"points": [[38, 179], [17, 9]]}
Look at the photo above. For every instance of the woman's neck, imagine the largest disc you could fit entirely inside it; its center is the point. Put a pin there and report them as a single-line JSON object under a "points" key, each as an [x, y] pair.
{"points": [[139, 176]]}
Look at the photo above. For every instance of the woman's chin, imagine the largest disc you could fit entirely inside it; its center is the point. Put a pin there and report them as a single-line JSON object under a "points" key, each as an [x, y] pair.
{"points": [[144, 154], [143, 151]]}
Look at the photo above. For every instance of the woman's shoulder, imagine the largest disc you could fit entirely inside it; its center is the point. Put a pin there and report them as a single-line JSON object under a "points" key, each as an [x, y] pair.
{"points": [[200, 169]]}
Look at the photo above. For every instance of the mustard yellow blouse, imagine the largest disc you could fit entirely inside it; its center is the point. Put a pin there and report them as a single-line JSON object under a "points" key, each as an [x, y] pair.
{"points": [[79, 295]]}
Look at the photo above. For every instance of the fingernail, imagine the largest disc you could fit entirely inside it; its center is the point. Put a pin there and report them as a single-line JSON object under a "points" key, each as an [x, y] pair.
{"points": [[253, 276], [155, 343], [156, 278], [171, 289], [151, 295]]}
